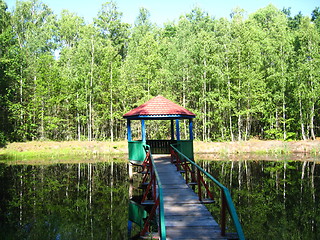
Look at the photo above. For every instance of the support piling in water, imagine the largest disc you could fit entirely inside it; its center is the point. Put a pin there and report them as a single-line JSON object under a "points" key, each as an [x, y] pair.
{"points": [[130, 171]]}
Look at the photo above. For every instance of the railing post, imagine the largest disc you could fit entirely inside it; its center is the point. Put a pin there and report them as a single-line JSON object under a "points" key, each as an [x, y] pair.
{"points": [[178, 162], [171, 154], [223, 213], [151, 215], [154, 195], [186, 172], [199, 184], [158, 199], [161, 216]]}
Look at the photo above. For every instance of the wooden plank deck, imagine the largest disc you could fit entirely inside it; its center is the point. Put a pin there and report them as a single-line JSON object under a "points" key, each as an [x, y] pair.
{"points": [[185, 216]]}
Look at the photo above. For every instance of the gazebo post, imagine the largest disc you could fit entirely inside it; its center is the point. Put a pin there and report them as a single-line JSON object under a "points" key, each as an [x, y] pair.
{"points": [[190, 128], [143, 131], [172, 130], [129, 130], [178, 129]]}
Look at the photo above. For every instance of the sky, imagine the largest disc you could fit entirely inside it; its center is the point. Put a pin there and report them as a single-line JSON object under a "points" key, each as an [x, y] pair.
{"points": [[162, 11]]}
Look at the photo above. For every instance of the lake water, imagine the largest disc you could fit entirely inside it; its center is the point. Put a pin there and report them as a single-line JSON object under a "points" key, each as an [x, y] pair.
{"points": [[274, 200], [64, 201]]}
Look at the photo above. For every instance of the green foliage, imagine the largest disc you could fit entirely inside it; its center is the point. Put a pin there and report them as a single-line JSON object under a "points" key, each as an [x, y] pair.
{"points": [[63, 79], [316, 17], [3, 140]]}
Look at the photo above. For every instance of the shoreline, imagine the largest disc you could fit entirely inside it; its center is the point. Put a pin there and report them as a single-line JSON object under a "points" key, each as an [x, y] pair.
{"points": [[101, 147], [259, 146], [240, 150]]}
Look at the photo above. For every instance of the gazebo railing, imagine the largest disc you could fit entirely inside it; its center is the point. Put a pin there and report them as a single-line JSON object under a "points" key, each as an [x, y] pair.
{"points": [[153, 189], [160, 146], [226, 201]]}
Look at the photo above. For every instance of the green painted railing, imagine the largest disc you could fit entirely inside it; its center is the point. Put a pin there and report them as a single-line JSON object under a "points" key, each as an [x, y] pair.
{"points": [[136, 151], [226, 200], [161, 205], [157, 192]]}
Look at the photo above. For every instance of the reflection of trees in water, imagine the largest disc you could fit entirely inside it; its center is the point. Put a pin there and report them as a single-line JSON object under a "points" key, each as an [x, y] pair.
{"points": [[67, 201], [274, 199]]}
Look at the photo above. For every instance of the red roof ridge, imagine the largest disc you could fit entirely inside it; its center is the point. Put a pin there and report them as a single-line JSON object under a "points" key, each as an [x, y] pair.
{"points": [[159, 105]]}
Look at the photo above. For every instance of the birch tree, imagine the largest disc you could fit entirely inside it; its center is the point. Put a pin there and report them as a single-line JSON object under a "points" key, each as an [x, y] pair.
{"points": [[308, 76]]}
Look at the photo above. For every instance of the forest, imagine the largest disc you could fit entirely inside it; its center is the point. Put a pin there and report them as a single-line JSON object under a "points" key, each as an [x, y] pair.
{"points": [[247, 76]]}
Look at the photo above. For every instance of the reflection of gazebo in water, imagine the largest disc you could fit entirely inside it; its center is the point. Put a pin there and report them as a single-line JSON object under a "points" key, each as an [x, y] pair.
{"points": [[159, 108]]}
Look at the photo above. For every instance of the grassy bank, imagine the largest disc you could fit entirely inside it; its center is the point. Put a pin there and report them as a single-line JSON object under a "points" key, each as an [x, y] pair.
{"points": [[75, 151], [258, 146], [66, 151], [258, 150]]}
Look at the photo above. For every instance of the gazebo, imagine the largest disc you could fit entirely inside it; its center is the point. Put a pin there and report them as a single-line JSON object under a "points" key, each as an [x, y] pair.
{"points": [[159, 108]]}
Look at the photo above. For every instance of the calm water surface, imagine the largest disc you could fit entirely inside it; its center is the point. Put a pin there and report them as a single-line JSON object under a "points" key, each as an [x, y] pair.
{"points": [[64, 201], [274, 200]]}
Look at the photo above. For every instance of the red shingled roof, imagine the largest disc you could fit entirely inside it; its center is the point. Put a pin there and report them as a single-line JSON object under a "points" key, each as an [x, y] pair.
{"points": [[158, 106]]}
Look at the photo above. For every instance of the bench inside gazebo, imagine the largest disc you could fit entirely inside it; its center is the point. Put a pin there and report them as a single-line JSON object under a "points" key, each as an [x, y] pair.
{"points": [[159, 108]]}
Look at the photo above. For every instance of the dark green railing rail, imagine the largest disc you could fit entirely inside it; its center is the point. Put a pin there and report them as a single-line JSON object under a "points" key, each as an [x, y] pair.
{"points": [[161, 205], [226, 200], [157, 192]]}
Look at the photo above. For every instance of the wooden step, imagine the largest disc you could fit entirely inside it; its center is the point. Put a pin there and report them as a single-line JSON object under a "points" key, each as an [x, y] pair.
{"points": [[206, 233], [143, 185], [147, 202], [207, 201], [145, 172], [192, 183]]}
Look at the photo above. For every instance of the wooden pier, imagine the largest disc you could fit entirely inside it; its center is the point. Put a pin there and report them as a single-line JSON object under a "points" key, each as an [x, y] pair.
{"points": [[179, 211], [185, 216]]}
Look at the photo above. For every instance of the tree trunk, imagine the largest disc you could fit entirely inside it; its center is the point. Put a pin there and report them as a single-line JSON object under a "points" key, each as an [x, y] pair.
{"points": [[229, 94], [283, 97], [204, 92], [312, 122], [239, 127], [301, 119], [90, 92], [239, 99], [78, 121], [111, 104], [230, 117], [248, 127], [277, 119], [284, 118]]}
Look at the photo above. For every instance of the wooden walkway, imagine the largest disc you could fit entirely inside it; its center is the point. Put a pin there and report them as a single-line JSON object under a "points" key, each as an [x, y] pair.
{"points": [[185, 216]]}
